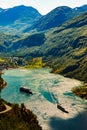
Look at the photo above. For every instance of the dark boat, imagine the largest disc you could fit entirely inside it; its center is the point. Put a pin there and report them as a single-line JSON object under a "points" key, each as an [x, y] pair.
{"points": [[61, 108], [26, 90]]}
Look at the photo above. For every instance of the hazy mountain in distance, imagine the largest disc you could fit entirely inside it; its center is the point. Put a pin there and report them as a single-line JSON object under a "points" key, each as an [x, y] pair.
{"points": [[81, 9], [1, 9], [57, 17], [21, 19], [17, 18], [21, 13]]}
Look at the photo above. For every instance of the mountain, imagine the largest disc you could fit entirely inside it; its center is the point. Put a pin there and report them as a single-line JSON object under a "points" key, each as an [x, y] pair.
{"points": [[19, 13], [29, 19], [57, 17], [63, 48], [66, 48], [18, 17], [81, 9], [1, 9]]}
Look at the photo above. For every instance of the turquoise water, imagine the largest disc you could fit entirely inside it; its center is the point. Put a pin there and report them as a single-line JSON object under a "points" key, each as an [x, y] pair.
{"points": [[48, 90], [43, 84], [38, 80]]}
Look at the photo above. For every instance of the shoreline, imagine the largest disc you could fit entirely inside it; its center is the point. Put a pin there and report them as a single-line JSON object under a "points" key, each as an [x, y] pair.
{"points": [[45, 110], [82, 82]]}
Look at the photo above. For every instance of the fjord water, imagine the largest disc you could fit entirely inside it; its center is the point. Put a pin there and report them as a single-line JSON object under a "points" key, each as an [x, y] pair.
{"points": [[48, 90], [38, 80]]}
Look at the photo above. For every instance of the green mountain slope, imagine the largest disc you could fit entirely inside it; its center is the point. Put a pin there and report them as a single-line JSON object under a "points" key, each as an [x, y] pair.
{"points": [[68, 48], [6, 41], [64, 49]]}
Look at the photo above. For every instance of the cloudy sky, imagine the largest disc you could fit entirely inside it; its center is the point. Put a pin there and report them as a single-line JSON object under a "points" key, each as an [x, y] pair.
{"points": [[43, 6]]}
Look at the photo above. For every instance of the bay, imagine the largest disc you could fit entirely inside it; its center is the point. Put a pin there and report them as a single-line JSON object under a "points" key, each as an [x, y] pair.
{"points": [[48, 90]]}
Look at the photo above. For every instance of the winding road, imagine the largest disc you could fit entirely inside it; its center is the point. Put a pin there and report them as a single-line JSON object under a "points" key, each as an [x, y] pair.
{"points": [[8, 108]]}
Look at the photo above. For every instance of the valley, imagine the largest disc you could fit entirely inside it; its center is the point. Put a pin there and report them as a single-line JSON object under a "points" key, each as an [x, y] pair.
{"points": [[48, 54], [61, 48]]}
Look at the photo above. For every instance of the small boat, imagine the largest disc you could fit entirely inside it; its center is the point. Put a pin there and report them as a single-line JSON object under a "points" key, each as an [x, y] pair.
{"points": [[26, 90], [61, 108]]}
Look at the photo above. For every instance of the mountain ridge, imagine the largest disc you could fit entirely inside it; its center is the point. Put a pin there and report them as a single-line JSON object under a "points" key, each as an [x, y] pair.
{"points": [[57, 17], [19, 12], [13, 20], [27, 18]]}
